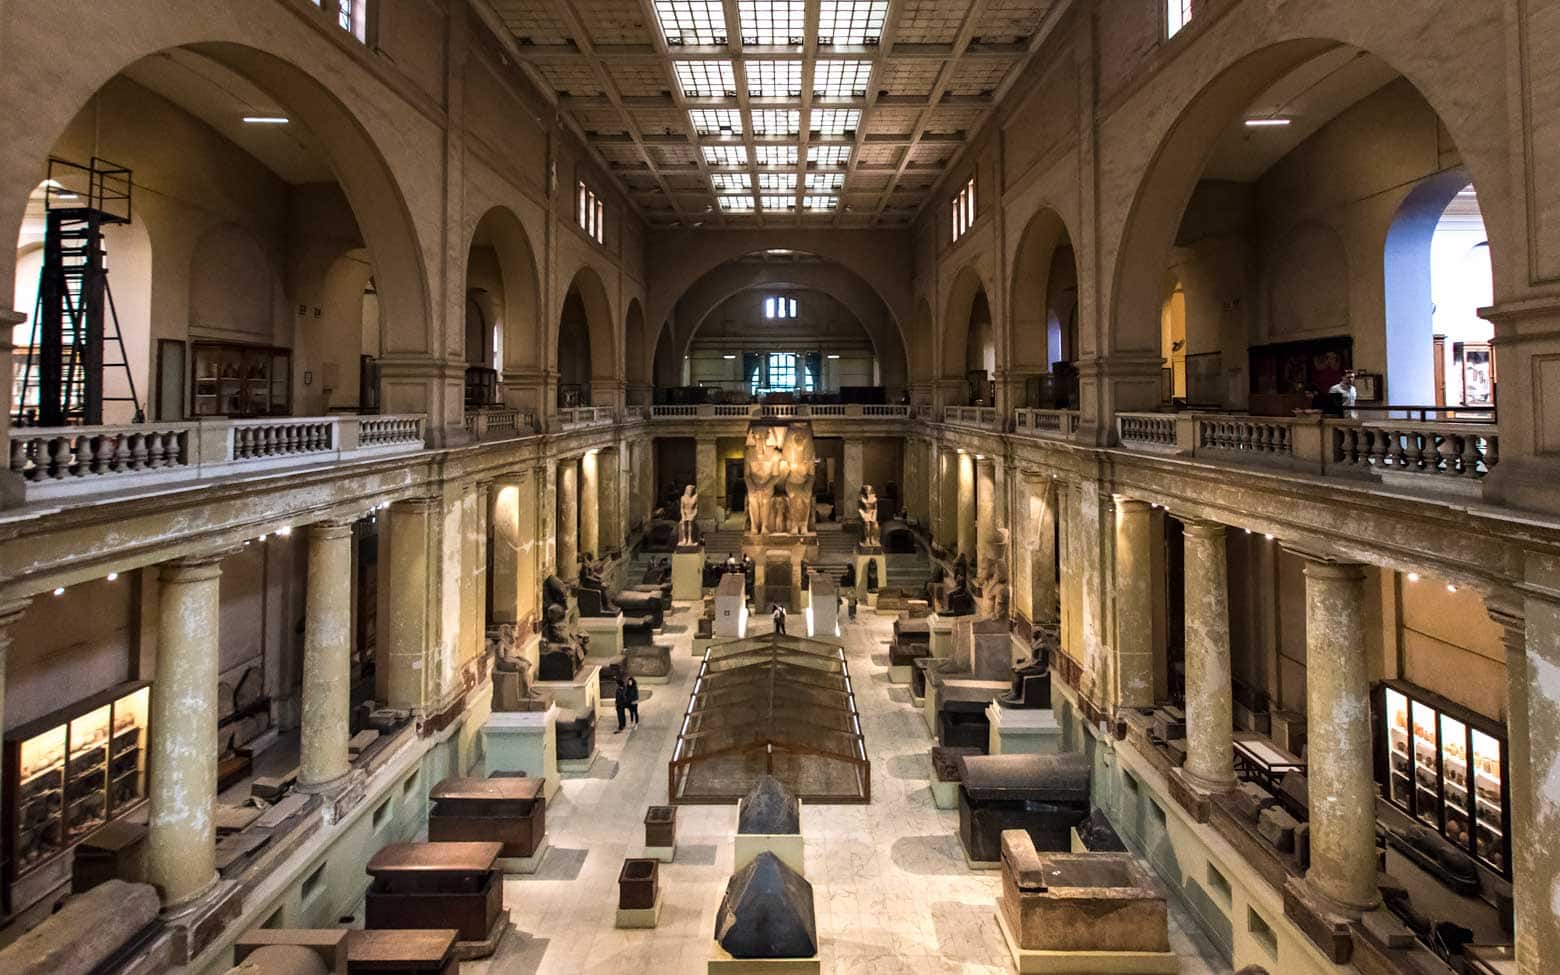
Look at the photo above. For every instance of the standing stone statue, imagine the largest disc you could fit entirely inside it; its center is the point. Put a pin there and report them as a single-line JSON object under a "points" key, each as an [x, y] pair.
{"points": [[800, 466], [996, 594], [778, 514], [763, 468], [868, 506], [690, 514]]}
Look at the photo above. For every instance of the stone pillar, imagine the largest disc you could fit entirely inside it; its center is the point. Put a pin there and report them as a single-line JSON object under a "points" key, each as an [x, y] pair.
{"points": [[1209, 719], [409, 634], [851, 478], [986, 504], [181, 854], [947, 513], [504, 523], [590, 504], [327, 657], [1043, 552], [10, 613], [707, 481], [1134, 605], [568, 519], [1343, 792], [964, 511], [610, 531]]}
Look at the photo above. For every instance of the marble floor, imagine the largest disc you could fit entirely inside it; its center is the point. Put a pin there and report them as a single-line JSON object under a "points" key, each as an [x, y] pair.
{"points": [[892, 891]]}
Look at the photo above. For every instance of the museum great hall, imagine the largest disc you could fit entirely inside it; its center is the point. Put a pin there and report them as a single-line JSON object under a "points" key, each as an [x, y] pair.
{"points": [[781, 486]]}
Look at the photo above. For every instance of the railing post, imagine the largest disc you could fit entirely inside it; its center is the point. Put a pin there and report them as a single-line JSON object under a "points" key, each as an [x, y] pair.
{"points": [[346, 433], [213, 443], [1308, 443], [1186, 434], [704, 410]]}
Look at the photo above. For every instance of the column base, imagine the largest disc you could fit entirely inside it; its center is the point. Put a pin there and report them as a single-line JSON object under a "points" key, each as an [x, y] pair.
{"points": [[1204, 785], [1322, 919], [199, 921]]}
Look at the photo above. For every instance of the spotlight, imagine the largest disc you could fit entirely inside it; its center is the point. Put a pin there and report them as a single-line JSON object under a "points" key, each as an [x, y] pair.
{"points": [[1413, 577], [266, 120], [1269, 536], [112, 576], [60, 591], [284, 530], [1450, 587], [1267, 123]]}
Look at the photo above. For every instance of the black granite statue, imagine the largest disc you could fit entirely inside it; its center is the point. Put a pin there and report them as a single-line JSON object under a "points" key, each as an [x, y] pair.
{"points": [[562, 652], [1032, 681], [555, 590], [872, 575], [848, 579], [767, 912], [769, 809]]}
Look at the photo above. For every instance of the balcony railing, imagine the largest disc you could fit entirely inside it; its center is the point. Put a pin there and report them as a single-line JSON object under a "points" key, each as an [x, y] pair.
{"points": [[1447, 450], [498, 423], [64, 461], [579, 417], [983, 417], [754, 411], [1050, 424], [1146, 431]]}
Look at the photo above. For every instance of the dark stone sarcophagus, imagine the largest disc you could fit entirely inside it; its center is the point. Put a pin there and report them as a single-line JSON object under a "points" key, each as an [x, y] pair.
{"points": [[912, 639], [576, 735], [961, 716], [1044, 795], [767, 912]]}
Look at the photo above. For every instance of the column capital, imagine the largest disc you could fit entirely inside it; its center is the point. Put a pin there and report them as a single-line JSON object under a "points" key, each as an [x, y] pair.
{"points": [[1327, 569], [1126, 505], [12, 609], [415, 505], [1206, 530], [331, 528], [194, 568]]}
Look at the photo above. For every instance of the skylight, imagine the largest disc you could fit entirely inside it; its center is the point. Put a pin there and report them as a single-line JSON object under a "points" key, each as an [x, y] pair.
{"points": [[820, 203], [773, 21], [826, 182], [779, 202], [774, 79], [737, 204], [773, 182], [730, 182], [692, 21], [776, 155], [716, 121], [776, 121], [851, 21], [706, 79], [726, 155], [835, 121], [829, 156], [841, 79]]}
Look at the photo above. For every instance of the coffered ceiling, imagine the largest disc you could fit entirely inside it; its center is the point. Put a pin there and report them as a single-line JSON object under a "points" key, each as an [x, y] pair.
{"points": [[777, 112]]}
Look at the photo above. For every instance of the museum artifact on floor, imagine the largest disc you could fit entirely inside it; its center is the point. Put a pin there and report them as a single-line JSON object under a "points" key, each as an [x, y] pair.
{"points": [[1045, 795], [767, 912], [511, 810]]}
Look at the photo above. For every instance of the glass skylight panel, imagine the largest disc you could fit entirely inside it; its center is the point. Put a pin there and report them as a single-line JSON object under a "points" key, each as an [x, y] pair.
{"points": [[776, 121], [776, 155], [730, 182], [692, 21], [773, 21], [737, 204], [706, 79], [716, 121], [777, 182], [779, 202], [825, 157], [818, 203], [841, 79], [774, 79], [835, 121], [851, 21], [725, 155], [825, 182]]}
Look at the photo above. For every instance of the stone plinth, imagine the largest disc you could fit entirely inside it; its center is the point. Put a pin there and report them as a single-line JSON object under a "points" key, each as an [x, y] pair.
{"points": [[721, 963], [688, 573], [582, 694], [523, 741], [730, 607], [823, 615], [606, 635], [1023, 731], [941, 638]]}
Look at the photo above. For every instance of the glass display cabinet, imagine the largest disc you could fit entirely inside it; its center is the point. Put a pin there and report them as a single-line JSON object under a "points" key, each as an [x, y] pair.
{"points": [[1446, 766], [68, 773], [233, 380]]}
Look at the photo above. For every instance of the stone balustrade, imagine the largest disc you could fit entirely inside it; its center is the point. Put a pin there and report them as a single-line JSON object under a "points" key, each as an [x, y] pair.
{"points": [[498, 423], [68, 461], [982, 417], [751, 411], [1049, 424], [1448, 450], [579, 417]]}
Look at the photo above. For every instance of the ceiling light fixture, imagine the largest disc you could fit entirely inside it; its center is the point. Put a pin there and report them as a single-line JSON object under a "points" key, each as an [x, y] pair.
{"points": [[112, 576], [266, 120], [1267, 123], [1413, 577], [1450, 587], [728, 355], [834, 355]]}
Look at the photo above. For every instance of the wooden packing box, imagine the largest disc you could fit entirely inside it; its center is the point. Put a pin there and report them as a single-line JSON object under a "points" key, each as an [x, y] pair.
{"points": [[511, 811], [417, 886]]}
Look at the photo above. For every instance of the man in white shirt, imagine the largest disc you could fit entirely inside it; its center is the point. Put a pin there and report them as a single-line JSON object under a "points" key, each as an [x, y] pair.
{"points": [[1345, 391]]}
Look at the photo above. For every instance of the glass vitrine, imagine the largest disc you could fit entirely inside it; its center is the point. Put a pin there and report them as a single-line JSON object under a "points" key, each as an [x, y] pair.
{"points": [[1446, 766]]}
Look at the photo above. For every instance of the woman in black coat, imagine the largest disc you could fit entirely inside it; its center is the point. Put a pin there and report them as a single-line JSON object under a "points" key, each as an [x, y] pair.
{"points": [[632, 687]]}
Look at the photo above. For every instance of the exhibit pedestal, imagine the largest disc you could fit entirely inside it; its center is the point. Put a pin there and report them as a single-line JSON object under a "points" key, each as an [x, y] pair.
{"points": [[688, 574], [524, 865], [731, 607], [647, 917], [579, 767], [941, 629], [1027, 962], [666, 854], [899, 673], [472, 950], [582, 694], [823, 611], [606, 635], [1023, 731], [523, 741], [945, 795], [721, 963]]}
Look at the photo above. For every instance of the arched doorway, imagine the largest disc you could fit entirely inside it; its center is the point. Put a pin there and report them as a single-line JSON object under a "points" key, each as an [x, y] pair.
{"points": [[502, 355], [969, 344], [584, 356], [1043, 339]]}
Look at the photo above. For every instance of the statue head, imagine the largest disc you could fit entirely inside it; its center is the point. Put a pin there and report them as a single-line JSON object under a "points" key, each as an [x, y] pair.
{"points": [[556, 613], [689, 491]]}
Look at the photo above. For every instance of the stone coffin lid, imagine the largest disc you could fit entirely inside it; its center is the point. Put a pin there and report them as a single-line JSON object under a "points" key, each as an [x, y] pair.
{"points": [[945, 761], [435, 858], [503, 789], [1042, 778], [767, 912], [769, 809], [912, 629]]}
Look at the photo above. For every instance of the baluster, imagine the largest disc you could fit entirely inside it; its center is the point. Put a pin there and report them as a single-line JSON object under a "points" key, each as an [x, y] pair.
{"points": [[59, 457], [1448, 454], [1491, 452], [156, 447], [19, 457], [102, 447]]}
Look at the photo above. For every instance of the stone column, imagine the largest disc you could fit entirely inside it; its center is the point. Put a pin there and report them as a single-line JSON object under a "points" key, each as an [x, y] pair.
{"points": [[610, 531], [947, 513], [10, 613], [986, 504], [504, 524], [181, 854], [851, 479], [408, 633], [568, 519], [1134, 605], [964, 511], [1043, 551], [590, 504], [1209, 721], [1343, 792], [706, 480], [327, 658]]}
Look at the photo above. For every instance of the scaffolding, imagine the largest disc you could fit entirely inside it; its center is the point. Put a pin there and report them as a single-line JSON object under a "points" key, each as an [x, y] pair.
{"points": [[775, 705]]}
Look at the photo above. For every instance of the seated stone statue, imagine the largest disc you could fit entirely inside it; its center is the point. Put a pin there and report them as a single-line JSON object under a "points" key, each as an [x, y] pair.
{"points": [[956, 598], [555, 590], [563, 653], [512, 686]]}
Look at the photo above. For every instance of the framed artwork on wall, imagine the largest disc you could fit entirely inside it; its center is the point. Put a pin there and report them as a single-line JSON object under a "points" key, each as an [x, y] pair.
{"points": [[1369, 387]]}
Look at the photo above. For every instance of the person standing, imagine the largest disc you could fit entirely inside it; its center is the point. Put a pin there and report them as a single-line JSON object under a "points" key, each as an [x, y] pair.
{"points": [[779, 616], [1344, 393], [633, 701], [620, 700]]}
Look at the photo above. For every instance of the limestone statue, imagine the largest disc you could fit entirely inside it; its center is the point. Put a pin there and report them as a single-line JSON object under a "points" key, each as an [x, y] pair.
{"points": [[996, 594], [764, 470], [801, 461], [690, 514], [513, 689], [867, 504], [779, 519]]}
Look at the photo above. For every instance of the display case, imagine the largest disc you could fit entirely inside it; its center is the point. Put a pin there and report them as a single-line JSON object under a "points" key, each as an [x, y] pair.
{"points": [[233, 380], [68, 773], [1446, 766]]}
